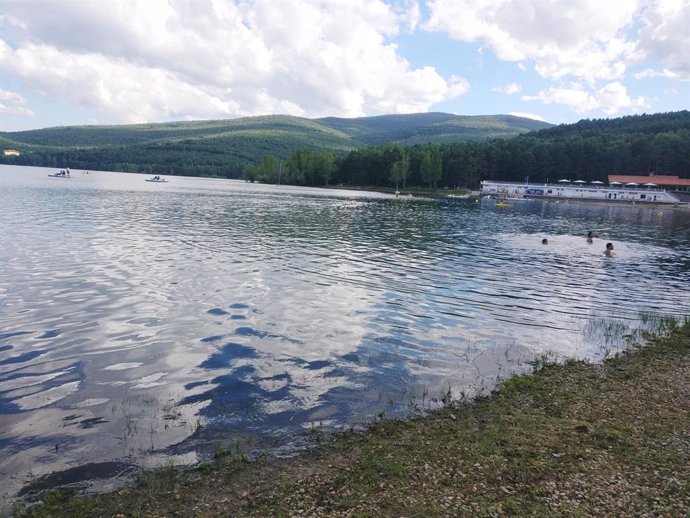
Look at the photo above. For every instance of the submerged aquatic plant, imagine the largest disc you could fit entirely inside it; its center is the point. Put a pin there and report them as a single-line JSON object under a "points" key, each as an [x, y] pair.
{"points": [[614, 332]]}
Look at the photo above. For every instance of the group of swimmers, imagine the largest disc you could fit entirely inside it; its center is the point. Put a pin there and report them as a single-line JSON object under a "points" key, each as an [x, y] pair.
{"points": [[608, 252]]}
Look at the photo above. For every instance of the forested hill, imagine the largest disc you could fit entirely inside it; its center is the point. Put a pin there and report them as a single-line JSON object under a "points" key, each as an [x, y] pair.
{"points": [[592, 149], [227, 147], [431, 149], [431, 127], [635, 125]]}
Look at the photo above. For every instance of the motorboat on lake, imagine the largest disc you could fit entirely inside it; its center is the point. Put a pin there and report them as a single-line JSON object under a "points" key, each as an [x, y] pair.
{"points": [[63, 173], [157, 179]]}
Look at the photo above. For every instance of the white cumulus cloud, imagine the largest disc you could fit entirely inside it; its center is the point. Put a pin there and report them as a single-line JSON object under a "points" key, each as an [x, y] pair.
{"points": [[650, 72], [614, 97], [611, 98], [575, 98], [600, 47], [528, 116], [579, 38], [509, 89], [12, 103], [666, 36], [175, 59]]}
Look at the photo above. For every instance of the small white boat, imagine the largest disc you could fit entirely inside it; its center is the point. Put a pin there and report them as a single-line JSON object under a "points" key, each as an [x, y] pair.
{"points": [[157, 179], [64, 173]]}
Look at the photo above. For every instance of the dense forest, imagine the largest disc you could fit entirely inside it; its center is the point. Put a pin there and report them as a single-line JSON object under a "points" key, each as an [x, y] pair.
{"points": [[397, 151], [226, 148], [588, 150]]}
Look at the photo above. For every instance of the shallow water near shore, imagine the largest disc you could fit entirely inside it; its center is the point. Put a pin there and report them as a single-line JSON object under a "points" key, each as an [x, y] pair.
{"points": [[143, 322]]}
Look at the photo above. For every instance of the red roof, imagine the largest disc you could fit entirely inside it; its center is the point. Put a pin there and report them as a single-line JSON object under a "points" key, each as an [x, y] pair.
{"points": [[659, 179]]}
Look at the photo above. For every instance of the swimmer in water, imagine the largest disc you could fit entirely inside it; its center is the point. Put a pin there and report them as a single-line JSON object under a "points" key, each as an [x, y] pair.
{"points": [[609, 250]]}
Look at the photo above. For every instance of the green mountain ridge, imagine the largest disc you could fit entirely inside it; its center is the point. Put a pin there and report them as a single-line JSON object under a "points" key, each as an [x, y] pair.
{"points": [[227, 147], [434, 149], [361, 131], [434, 127]]}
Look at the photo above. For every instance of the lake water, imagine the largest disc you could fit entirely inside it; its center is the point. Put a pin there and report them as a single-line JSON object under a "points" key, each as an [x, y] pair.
{"points": [[142, 323]]}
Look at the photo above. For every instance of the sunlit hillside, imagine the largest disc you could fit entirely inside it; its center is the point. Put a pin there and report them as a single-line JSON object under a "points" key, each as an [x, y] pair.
{"points": [[226, 147]]}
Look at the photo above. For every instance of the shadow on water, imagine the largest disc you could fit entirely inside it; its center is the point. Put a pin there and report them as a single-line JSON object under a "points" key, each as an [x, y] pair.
{"points": [[259, 414], [80, 477]]}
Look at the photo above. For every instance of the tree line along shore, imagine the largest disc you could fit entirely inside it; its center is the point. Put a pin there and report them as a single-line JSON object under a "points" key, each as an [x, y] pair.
{"points": [[397, 152]]}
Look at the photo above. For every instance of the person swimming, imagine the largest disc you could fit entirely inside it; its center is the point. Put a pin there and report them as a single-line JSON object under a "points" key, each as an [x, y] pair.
{"points": [[590, 236], [609, 250], [544, 241]]}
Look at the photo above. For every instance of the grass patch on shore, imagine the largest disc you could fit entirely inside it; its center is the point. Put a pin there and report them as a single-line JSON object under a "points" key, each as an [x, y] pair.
{"points": [[573, 439]]}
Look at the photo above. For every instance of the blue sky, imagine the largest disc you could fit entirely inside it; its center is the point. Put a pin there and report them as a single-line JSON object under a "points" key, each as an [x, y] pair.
{"points": [[74, 62]]}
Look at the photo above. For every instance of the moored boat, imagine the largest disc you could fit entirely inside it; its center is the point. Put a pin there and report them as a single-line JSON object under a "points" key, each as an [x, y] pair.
{"points": [[579, 191]]}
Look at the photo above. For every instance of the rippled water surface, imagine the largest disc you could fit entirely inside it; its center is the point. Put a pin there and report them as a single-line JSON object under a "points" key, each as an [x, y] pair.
{"points": [[141, 322]]}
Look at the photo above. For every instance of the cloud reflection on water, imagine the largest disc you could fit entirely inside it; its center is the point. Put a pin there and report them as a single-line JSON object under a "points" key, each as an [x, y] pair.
{"points": [[210, 309]]}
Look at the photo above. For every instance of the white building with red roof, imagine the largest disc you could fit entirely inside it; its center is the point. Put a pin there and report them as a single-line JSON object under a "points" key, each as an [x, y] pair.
{"points": [[660, 180]]}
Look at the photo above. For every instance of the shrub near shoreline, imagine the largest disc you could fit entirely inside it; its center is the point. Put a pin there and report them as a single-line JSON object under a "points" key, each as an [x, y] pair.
{"points": [[576, 439]]}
